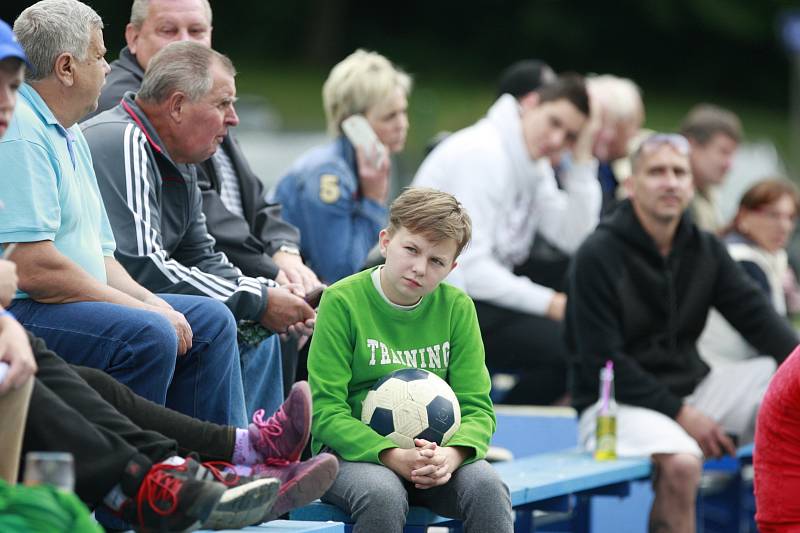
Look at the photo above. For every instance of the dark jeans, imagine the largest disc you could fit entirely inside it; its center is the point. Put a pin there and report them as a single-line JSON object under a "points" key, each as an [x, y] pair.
{"points": [[139, 348], [67, 415], [289, 363], [530, 346], [261, 376]]}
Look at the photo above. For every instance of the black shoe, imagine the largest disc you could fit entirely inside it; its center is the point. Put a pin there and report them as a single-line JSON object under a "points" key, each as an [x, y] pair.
{"points": [[168, 497]]}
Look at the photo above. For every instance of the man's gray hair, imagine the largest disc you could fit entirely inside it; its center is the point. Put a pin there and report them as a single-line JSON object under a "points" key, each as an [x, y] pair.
{"points": [[140, 7], [50, 28], [181, 66]]}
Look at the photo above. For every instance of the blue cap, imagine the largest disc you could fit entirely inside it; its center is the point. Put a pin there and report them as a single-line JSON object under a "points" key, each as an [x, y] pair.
{"points": [[9, 46]]}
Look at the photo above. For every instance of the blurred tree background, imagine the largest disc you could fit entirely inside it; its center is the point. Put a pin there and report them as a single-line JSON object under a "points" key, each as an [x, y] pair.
{"points": [[679, 51]]}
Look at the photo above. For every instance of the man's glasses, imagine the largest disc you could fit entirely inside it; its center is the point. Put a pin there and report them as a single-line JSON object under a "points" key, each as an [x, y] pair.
{"points": [[678, 142], [649, 145]]}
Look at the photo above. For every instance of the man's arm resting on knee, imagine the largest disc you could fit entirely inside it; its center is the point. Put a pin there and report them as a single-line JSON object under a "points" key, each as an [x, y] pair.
{"points": [[48, 276], [119, 279], [708, 434]]}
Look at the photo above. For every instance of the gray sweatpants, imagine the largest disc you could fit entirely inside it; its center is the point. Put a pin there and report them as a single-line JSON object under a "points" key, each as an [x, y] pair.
{"points": [[378, 499]]}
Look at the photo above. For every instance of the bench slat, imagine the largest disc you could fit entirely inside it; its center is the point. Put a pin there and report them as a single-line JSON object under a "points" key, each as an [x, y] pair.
{"points": [[291, 526], [554, 474]]}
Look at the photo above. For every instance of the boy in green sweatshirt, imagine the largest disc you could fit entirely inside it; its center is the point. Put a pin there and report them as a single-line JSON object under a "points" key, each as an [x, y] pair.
{"points": [[395, 316]]}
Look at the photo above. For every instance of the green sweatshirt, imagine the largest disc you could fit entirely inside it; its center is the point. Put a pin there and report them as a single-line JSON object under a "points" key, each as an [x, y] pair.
{"points": [[359, 338]]}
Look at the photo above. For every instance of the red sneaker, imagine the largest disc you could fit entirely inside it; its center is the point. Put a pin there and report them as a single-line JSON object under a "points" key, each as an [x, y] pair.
{"points": [[285, 434], [301, 483]]}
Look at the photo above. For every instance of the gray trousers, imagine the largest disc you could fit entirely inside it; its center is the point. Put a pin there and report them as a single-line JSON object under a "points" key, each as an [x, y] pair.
{"points": [[378, 499]]}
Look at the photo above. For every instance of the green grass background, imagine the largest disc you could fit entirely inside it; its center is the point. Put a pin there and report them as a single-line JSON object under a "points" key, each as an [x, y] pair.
{"points": [[438, 104]]}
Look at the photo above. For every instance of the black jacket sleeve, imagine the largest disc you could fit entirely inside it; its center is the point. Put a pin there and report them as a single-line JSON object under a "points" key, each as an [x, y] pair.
{"points": [[749, 310], [248, 242], [756, 274]]}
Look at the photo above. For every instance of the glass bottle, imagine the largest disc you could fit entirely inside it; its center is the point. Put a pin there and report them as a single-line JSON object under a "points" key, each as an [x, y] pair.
{"points": [[606, 429]]}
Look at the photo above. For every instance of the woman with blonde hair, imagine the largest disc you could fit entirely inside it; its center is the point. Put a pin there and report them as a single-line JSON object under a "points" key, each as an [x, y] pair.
{"points": [[336, 194]]}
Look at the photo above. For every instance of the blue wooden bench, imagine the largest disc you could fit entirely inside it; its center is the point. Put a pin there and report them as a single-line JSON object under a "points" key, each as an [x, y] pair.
{"points": [[550, 481], [727, 504], [293, 526], [527, 430]]}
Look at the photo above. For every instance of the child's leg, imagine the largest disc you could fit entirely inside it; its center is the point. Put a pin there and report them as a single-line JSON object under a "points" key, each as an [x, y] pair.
{"points": [[373, 495], [212, 441], [476, 495]]}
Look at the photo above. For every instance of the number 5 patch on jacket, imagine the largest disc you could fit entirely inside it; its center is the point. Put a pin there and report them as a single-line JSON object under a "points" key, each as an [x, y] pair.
{"points": [[329, 190]]}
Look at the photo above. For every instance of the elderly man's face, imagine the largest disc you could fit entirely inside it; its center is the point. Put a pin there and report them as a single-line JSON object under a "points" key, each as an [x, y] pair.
{"points": [[205, 122], [614, 136], [168, 21], [90, 74]]}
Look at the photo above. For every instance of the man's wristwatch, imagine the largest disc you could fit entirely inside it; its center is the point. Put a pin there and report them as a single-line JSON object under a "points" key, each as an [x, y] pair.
{"points": [[289, 249]]}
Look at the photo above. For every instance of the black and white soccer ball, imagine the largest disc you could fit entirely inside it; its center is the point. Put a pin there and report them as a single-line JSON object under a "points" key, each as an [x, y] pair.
{"points": [[412, 403]]}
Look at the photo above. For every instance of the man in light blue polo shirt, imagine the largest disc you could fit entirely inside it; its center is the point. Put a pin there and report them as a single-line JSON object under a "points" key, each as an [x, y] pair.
{"points": [[73, 293], [59, 201]]}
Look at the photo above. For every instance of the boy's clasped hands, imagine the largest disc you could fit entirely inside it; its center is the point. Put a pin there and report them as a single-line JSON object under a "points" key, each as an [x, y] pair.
{"points": [[427, 464]]}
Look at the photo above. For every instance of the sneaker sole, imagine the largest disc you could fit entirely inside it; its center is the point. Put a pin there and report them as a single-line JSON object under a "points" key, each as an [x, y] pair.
{"points": [[244, 505], [200, 510], [304, 490]]}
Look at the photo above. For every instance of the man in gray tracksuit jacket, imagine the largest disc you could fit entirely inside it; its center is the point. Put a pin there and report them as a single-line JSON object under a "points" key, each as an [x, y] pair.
{"points": [[155, 209], [255, 240]]}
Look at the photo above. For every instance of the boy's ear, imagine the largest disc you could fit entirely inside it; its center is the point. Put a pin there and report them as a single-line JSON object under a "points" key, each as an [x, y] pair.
{"points": [[455, 264], [383, 241]]}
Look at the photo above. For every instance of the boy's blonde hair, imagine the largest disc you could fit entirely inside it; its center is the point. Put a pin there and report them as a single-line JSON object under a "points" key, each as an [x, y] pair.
{"points": [[358, 82], [434, 214]]}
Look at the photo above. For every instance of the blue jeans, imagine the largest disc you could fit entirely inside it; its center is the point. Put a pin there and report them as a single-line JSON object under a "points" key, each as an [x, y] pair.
{"points": [[139, 347], [262, 375]]}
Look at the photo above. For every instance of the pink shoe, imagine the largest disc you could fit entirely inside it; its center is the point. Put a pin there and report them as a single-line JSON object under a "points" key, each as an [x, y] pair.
{"points": [[301, 483], [285, 434]]}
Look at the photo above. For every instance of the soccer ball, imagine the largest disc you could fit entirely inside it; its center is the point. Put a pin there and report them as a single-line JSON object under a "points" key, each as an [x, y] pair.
{"points": [[412, 404]]}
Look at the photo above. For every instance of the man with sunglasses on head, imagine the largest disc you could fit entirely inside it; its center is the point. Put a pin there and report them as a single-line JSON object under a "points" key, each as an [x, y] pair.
{"points": [[640, 289]]}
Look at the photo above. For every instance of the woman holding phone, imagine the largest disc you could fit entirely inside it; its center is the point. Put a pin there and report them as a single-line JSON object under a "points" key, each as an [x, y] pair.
{"points": [[336, 193]]}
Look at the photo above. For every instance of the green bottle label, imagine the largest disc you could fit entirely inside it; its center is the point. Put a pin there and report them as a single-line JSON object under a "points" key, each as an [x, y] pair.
{"points": [[606, 437]]}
